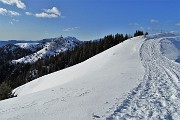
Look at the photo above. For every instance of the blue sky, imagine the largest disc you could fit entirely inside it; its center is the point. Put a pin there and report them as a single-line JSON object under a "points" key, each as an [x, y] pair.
{"points": [[85, 19]]}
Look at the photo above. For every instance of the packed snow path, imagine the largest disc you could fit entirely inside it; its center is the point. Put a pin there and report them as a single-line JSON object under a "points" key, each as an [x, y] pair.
{"points": [[158, 95]]}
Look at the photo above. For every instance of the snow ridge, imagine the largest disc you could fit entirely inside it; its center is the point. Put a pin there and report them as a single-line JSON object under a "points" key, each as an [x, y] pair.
{"points": [[157, 96]]}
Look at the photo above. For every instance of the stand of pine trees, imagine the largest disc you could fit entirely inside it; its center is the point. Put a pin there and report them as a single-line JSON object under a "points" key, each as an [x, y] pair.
{"points": [[14, 75], [10, 52], [139, 33]]}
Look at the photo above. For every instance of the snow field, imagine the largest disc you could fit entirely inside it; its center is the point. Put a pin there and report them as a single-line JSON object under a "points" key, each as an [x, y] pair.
{"points": [[137, 79], [83, 92]]}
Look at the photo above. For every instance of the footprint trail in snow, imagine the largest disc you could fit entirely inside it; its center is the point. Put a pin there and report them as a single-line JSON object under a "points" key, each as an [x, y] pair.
{"points": [[158, 95]]}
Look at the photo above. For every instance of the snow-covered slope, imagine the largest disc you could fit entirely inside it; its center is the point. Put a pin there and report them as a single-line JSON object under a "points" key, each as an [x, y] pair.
{"points": [[82, 92], [106, 64], [47, 47], [30, 46], [136, 79], [157, 97]]}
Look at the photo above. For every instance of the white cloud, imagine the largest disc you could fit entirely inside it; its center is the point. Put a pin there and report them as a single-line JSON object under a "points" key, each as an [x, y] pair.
{"points": [[46, 15], [6, 12], [49, 13], [70, 29], [13, 21], [153, 21], [18, 3], [178, 24], [53, 10], [28, 13]]}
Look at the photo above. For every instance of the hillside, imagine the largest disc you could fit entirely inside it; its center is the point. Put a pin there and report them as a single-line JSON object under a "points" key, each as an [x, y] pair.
{"points": [[11, 51], [136, 79], [49, 61]]}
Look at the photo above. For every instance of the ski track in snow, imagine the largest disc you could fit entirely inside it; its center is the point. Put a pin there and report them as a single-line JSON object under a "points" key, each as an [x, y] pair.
{"points": [[158, 95]]}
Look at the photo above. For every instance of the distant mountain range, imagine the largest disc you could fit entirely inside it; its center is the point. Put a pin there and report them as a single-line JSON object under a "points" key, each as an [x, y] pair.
{"points": [[3, 43], [41, 48]]}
